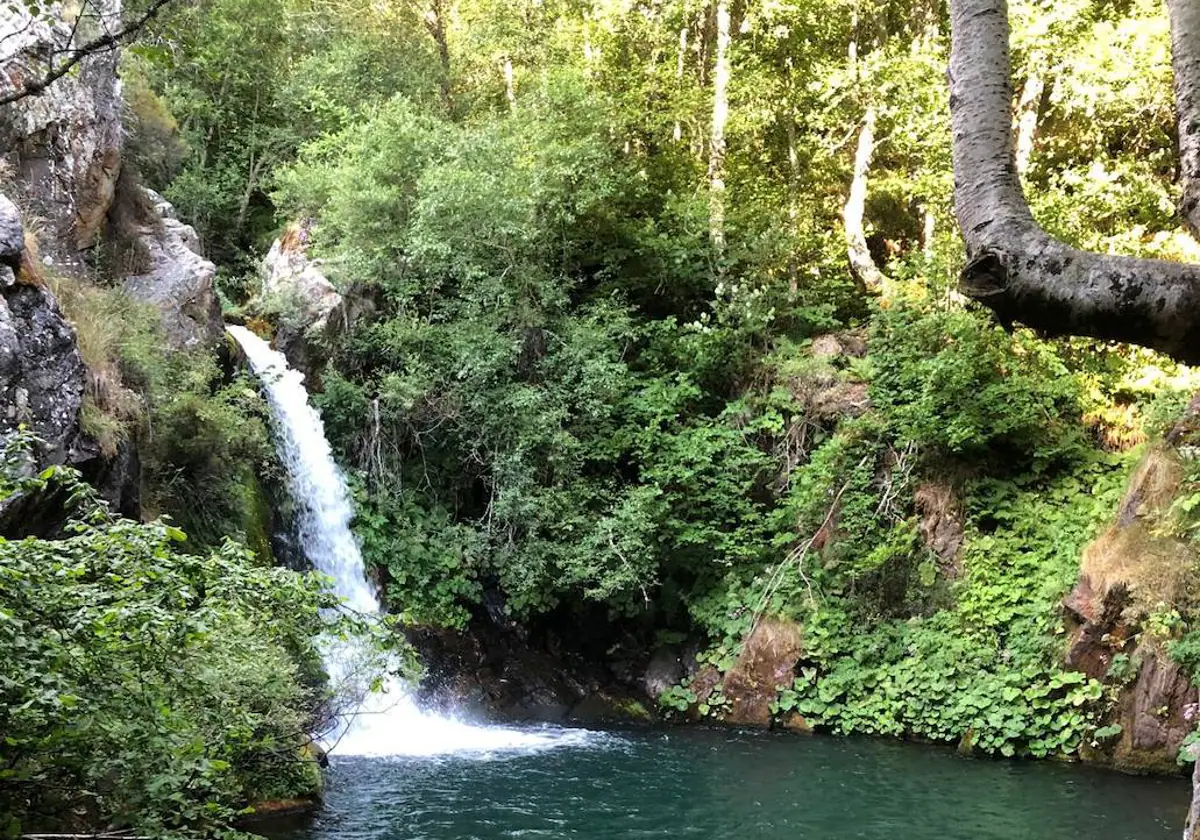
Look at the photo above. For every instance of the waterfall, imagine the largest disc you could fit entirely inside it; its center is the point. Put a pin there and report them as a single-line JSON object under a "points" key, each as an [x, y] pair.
{"points": [[386, 721]]}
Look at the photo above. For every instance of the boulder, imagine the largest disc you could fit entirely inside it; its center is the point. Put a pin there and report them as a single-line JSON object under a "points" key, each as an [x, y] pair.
{"points": [[12, 234], [1125, 573], [297, 283], [767, 663], [178, 280]]}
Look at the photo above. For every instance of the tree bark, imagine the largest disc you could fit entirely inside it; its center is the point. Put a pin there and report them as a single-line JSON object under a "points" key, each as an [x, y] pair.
{"points": [[861, 262], [1013, 266], [1185, 61], [720, 117], [510, 85], [679, 67], [1191, 829]]}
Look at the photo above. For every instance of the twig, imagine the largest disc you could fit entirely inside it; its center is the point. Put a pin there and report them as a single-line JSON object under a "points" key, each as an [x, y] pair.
{"points": [[104, 43]]}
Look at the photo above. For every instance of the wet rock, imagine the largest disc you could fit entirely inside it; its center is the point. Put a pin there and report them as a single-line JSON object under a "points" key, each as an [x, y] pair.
{"points": [[495, 673], [767, 663], [178, 280], [796, 722], [664, 670], [1153, 717]]}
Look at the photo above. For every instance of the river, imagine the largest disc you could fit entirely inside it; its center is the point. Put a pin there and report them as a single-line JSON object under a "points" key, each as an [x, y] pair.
{"points": [[692, 782]]}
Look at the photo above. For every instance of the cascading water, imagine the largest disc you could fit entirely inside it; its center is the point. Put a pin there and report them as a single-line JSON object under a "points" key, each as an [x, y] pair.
{"points": [[386, 721]]}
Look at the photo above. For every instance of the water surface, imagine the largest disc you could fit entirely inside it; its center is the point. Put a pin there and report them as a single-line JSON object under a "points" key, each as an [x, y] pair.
{"points": [[699, 783]]}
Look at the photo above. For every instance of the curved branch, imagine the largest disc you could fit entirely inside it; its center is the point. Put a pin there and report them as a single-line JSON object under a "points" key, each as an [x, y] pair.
{"points": [[1185, 62], [104, 43], [1014, 267]]}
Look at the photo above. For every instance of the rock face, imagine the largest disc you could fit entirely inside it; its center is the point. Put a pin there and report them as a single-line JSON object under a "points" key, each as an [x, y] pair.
{"points": [[64, 145], [178, 280], [308, 311], [1127, 570], [493, 673], [292, 280], [767, 663], [42, 376]]}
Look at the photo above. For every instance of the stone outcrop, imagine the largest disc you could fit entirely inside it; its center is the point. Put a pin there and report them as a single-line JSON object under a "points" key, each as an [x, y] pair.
{"points": [[307, 312], [489, 672], [766, 664], [177, 279], [294, 281], [62, 146], [42, 376], [1125, 573], [941, 524]]}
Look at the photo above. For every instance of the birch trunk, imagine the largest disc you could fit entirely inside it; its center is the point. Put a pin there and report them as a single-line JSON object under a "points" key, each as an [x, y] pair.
{"points": [[793, 267], [861, 262], [510, 86], [720, 116], [1185, 61], [1013, 266], [679, 67], [1028, 112]]}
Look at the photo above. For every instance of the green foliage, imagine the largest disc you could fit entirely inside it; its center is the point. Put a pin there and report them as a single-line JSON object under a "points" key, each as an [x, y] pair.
{"points": [[952, 380], [564, 396], [208, 449], [148, 689]]}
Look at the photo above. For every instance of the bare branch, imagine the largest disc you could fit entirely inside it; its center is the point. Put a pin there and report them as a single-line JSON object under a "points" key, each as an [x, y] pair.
{"points": [[104, 43]]}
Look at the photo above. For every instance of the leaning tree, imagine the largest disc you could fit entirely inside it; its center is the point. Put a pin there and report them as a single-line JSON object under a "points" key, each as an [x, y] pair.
{"points": [[1021, 272], [1013, 266]]}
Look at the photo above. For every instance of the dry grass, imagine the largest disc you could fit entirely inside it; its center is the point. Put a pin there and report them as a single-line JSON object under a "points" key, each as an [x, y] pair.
{"points": [[1118, 428], [1137, 550], [111, 411]]}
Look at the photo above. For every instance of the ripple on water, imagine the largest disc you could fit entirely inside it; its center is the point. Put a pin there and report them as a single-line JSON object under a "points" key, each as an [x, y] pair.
{"points": [[758, 786]]}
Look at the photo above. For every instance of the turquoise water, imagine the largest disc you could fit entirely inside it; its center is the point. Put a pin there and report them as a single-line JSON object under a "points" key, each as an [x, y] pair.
{"points": [[684, 783]]}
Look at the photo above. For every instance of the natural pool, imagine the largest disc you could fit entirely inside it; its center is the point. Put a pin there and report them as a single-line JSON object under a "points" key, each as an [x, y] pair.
{"points": [[724, 784]]}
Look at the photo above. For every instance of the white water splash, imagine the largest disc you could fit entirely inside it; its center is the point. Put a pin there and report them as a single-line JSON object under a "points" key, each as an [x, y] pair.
{"points": [[387, 722]]}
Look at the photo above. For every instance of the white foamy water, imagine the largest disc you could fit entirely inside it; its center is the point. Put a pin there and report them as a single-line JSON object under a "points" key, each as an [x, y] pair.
{"points": [[379, 723]]}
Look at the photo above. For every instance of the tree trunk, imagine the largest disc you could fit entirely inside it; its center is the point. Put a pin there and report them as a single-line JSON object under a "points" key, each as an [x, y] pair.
{"points": [[437, 31], [861, 262], [679, 67], [720, 116], [510, 85], [793, 153], [927, 234], [1028, 111], [1013, 266], [1185, 61], [1191, 829]]}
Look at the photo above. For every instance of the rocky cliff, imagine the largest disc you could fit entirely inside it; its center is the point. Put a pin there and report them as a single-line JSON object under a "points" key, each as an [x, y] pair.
{"points": [[42, 376], [1129, 572], [62, 166]]}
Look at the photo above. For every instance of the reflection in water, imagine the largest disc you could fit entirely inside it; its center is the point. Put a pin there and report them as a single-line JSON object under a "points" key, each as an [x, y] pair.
{"points": [[758, 786]]}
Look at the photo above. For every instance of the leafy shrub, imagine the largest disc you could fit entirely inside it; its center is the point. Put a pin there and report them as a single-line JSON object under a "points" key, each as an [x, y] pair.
{"points": [[954, 380], [147, 689]]}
